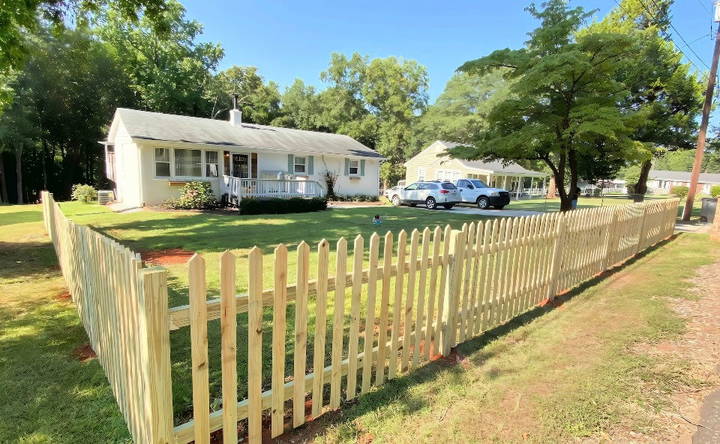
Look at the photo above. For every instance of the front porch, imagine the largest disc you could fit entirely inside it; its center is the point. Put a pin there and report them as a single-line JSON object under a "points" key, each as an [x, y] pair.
{"points": [[237, 188]]}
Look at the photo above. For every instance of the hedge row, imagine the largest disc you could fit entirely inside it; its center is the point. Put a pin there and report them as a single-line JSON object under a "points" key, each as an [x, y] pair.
{"points": [[281, 206]]}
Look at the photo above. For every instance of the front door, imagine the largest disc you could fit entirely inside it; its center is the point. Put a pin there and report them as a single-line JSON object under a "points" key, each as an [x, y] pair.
{"points": [[241, 166]]}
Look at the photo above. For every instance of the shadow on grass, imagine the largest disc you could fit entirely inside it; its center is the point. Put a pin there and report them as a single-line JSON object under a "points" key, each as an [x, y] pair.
{"points": [[217, 232], [398, 391], [43, 382]]}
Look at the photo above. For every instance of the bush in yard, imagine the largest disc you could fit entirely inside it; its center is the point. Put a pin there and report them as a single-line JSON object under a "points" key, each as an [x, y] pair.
{"points": [[282, 206], [194, 196], [680, 191], [715, 191], [83, 193]]}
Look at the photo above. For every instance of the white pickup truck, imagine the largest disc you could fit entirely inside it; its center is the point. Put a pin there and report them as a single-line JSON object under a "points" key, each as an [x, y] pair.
{"points": [[475, 191]]}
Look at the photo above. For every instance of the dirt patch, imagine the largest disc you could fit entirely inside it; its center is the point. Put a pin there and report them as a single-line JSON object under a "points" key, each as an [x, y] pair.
{"points": [[699, 348], [170, 256], [84, 353], [63, 296]]}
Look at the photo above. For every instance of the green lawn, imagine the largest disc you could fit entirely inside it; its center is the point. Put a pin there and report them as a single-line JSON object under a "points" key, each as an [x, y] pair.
{"points": [[546, 205], [39, 330]]}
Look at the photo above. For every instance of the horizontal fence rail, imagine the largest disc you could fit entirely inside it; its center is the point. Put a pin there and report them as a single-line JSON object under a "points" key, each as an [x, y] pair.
{"points": [[358, 313]]}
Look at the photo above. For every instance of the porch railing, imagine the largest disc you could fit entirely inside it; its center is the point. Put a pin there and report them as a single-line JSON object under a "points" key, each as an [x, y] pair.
{"points": [[237, 188]]}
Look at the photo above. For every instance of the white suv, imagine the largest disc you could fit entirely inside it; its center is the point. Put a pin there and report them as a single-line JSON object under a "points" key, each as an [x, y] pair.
{"points": [[475, 191], [430, 194]]}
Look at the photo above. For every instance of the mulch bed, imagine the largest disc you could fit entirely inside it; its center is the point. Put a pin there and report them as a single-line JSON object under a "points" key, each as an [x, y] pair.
{"points": [[170, 256], [84, 353]]}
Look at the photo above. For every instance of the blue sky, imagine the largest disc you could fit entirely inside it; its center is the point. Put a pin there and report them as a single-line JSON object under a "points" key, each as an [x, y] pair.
{"points": [[294, 39]]}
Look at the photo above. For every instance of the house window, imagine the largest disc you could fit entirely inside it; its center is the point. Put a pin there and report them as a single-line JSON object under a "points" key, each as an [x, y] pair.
{"points": [[188, 163], [354, 167], [421, 173], [300, 165], [110, 162], [211, 164], [162, 162]]}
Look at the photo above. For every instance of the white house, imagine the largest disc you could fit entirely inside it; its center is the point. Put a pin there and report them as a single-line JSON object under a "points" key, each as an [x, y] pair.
{"points": [[661, 181], [149, 156], [433, 163]]}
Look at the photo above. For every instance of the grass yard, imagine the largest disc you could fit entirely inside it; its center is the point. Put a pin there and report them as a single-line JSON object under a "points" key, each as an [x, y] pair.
{"points": [[580, 349]]}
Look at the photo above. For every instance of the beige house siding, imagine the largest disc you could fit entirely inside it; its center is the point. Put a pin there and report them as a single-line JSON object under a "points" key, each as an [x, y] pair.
{"points": [[433, 167]]}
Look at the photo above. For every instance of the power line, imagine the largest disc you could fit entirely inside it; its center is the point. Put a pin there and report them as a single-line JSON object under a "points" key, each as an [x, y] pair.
{"points": [[677, 33], [681, 38], [664, 35], [705, 7]]}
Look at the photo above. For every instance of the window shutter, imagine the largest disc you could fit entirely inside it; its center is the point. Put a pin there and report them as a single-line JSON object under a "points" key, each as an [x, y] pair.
{"points": [[362, 167], [291, 164], [311, 165], [347, 166]]}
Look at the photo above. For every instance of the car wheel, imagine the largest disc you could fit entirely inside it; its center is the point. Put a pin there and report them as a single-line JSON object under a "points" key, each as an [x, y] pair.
{"points": [[430, 203], [500, 207], [483, 202], [396, 200], [448, 206]]}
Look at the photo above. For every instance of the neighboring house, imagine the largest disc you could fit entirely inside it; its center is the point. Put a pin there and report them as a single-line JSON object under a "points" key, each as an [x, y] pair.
{"points": [[149, 156], [433, 163], [661, 181]]}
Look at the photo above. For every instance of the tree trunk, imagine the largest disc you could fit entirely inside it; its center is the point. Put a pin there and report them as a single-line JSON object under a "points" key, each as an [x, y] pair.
{"points": [[3, 182], [640, 188], [552, 189], [18, 174]]}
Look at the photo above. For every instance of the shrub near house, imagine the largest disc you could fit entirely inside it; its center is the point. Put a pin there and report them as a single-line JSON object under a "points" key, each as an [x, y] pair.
{"points": [[194, 196]]}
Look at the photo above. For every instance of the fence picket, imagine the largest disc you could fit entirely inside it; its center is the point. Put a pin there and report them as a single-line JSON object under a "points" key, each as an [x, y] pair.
{"points": [[339, 311], [384, 307], [228, 333], [409, 300], [300, 355], [320, 327], [397, 304], [199, 348], [369, 333], [430, 335], [358, 256], [422, 284], [255, 327], [278, 341]]}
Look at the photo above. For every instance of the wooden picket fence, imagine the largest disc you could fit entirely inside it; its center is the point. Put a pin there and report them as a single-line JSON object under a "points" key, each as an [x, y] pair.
{"points": [[376, 314], [124, 310]]}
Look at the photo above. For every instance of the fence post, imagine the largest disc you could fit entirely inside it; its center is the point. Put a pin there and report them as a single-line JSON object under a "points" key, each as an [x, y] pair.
{"points": [[155, 355], [557, 256], [453, 274]]}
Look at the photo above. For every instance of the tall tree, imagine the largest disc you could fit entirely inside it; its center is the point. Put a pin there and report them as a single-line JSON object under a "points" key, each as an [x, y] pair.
{"points": [[20, 19], [259, 102], [376, 102], [300, 108], [459, 113], [396, 93], [563, 99], [63, 99], [658, 83], [169, 71]]}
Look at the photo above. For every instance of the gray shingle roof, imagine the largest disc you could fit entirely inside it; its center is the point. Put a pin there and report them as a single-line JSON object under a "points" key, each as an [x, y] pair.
{"points": [[683, 176], [174, 128], [495, 166]]}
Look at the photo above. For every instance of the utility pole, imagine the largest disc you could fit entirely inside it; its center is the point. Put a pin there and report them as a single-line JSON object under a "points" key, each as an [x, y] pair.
{"points": [[700, 147]]}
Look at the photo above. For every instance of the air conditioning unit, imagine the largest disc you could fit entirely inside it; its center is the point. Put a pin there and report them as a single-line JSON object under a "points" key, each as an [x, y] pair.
{"points": [[105, 197]]}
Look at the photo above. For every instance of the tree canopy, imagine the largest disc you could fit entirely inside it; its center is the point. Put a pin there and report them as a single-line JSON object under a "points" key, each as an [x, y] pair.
{"points": [[579, 102]]}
